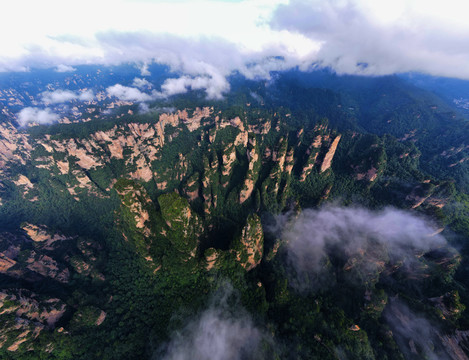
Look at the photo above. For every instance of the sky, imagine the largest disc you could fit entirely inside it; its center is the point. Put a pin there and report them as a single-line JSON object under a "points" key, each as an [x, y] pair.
{"points": [[204, 41]]}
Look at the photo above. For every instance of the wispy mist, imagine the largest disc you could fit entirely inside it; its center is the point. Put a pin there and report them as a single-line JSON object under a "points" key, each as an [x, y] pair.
{"points": [[224, 331], [415, 335], [370, 237]]}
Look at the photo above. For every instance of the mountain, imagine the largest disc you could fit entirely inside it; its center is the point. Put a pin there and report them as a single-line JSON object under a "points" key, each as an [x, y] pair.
{"points": [[326, 216]]}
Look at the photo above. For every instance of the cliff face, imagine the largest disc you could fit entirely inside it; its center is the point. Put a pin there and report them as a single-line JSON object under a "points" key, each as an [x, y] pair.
{"points": [[320, 152], [252, 174], [326, 164], [136, 203], [215, 157]]}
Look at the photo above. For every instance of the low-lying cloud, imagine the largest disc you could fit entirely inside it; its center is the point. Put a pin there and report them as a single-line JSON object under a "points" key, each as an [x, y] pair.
{"points": [[214, 86], [61, 68], [373, 237], [35, 115], [63, 96], [224, 331]]}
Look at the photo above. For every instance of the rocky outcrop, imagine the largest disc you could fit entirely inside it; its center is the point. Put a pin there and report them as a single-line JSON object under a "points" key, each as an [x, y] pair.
{"points": [[86, 261], [85, 159], [32, 314], [134, 150], [326, 164], [192, 187], [210, 182], [135, 200], [48, 267], [289, 161], [6, 263], [25, 185], [262, 127], [249, 247], [143, 171], [427, 193], [242, 139], [19, 260], [212, 259], [278, 157], [193, 123], [235, 122], [312, 154], [101, 318], [371, 175], [41, 234], [14, 145], [252, 174], [229, 157]]}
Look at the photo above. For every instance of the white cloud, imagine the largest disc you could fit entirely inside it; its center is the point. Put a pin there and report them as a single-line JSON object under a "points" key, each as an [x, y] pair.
{"points": [[129, 93], [64, 68], [141, 83], [376, 38], [211, 40], [206, 41], [144, 69], [62, 96], [214, 86], [36, 115], [58, 96]]}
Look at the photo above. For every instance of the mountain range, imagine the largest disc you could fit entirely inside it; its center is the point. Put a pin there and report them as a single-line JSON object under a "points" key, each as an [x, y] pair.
{"points": [[311, 216]]}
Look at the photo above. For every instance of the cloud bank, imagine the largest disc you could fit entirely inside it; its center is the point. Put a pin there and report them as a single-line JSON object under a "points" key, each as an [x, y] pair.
{"points": [[36, 115], [375, 38], [203, 42], [367, 237]]}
